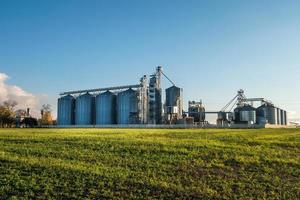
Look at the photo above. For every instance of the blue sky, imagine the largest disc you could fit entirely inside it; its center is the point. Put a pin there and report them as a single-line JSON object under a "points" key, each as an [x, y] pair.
{"points": [[210, 48]]}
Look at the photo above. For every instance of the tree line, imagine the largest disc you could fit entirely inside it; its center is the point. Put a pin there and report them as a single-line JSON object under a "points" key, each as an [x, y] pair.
{"points": [[12, 117]]}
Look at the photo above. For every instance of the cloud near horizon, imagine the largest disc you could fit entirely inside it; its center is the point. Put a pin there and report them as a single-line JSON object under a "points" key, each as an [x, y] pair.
{"points": [[22, 97]]}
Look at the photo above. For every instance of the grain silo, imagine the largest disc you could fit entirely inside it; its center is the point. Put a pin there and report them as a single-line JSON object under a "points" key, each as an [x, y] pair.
{"points": [[278, 110], [106, 108], [84, 109], [174, 104], [245, 114], [261, 115], [285, 117], [267, 114], [127, 107], [282, 121], [65, 110]]}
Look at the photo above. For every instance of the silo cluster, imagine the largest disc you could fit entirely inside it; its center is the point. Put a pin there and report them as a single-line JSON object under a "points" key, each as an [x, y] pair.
{"points": [[269, 114], [265, 114], [100, 109], [142, 104], [129, 104]]}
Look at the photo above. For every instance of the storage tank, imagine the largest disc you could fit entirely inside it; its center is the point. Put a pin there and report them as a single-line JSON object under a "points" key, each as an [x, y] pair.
{"points": [[267, 113], [245, 114], [282, 117], [106, 108], [127, 107], [278, 110], [84, 109], [236, 114], [272, 115], [174, 101], [65, 110], [285, 118], [261, 115]]}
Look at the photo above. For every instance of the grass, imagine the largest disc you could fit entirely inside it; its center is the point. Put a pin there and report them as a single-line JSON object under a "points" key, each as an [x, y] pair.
{"points": [[149, 164]]}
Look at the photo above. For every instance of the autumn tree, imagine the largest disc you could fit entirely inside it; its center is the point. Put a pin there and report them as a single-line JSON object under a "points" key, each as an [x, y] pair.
{"points": [[46, 114], [7, 114]]}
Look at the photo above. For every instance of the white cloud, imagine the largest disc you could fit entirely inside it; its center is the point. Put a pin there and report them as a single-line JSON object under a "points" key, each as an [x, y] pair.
{"points": [[22, 97], [293, 116]]}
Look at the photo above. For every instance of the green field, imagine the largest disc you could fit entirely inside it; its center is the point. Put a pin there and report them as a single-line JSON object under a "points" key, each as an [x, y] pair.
{"points": [[149, 164]]}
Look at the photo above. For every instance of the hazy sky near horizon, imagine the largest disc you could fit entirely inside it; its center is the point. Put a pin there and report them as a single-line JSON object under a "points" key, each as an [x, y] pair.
{"points": [[210, 48]]}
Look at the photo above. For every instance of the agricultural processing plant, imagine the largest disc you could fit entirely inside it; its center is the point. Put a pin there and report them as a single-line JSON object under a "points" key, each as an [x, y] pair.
{"points": [[149, 99], [122, 105]]}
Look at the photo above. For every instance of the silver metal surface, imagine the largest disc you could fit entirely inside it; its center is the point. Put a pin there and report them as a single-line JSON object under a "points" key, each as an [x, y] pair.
{"points": [[127, 107], [105, 105], [84, 109], [267, 114], [65, 110], [245, 114], [282, 117], [285, 118], [174, 100], [278, 110]]}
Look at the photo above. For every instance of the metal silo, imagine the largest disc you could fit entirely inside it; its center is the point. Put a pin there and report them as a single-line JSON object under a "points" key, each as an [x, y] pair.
{"points": [[173, 105], [278, 110], [106, 108], [236, 114], [272, 114], [261, 115], [245, 114], [174, 101], [285, 117], [84, 109], [65, 110], [281, 117], [127, 107]]}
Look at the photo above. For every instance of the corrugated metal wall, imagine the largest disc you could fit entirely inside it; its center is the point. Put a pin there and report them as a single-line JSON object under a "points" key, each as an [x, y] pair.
{"points": [[127, 107], [65, 110], [106, 112], [84, 109], [174, 98]]}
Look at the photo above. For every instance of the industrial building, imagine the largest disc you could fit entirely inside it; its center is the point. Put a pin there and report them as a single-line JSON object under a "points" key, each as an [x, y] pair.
{"points": [[246, 113], [196, 110], [142, 104], [131, 104]]}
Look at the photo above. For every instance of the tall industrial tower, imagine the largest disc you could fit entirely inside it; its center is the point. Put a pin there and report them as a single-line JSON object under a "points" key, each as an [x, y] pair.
{"points": [[155, 97]]}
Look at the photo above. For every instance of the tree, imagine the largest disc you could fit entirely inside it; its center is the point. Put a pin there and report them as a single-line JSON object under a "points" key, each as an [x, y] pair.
{"points": [[46, 115], [7, 114], [20, 114]]}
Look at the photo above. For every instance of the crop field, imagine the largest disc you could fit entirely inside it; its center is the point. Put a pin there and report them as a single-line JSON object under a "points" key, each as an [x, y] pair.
{"points": [[149, 164]]}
